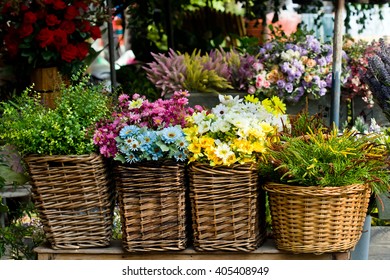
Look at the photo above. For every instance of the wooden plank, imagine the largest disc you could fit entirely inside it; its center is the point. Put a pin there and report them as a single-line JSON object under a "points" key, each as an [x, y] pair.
{"points": [[116, 252]]}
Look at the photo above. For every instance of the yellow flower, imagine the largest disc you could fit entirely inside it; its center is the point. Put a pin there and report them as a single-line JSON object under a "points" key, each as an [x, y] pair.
{"points": [[274, 105], [206, 141], [251, 98], [194, 148], [242, 145], [308, 78]]}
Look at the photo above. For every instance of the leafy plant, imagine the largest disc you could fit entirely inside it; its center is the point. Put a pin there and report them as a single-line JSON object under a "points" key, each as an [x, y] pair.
{"points": [[330, 159], [22, 235], [65, 130]]}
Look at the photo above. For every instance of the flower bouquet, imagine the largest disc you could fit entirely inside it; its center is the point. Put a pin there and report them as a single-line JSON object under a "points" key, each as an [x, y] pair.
{"points": [[147, 141], [225, 146], [294, 67], [47, 33]]}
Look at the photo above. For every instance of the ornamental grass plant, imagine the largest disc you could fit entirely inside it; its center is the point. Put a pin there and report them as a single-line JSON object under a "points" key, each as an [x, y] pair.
{"points": [[328, 159]]}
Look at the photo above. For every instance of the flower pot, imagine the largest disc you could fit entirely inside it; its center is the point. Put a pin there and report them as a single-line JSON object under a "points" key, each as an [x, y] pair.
{"points": [[74, 198], [152, 204], [317, 219], [47, 82], [361, 250], [228, 207]]}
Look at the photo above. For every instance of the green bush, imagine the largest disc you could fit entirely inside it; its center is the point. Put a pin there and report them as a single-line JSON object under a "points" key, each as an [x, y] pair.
{"points": [[65, 130]]}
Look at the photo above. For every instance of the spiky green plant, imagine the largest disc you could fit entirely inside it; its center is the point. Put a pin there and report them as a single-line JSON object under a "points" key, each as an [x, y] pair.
{"points": [[330, 159]]}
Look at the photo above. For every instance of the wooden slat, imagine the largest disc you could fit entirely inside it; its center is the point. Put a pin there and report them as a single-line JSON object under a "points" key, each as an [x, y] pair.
{"points": [[115, 252]]}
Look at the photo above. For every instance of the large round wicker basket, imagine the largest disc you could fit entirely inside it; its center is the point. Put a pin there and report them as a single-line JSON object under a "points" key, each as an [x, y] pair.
{"points": [[228, 207], [317, 219], [152, 205], [74, 198]]}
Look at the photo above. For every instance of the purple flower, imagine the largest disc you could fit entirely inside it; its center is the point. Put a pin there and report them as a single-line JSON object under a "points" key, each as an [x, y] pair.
{"points": [[289, 87], [281, 83]]}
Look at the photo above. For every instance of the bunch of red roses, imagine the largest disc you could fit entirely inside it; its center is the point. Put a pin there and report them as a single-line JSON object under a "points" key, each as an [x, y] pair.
{"points": [[49, 32]]}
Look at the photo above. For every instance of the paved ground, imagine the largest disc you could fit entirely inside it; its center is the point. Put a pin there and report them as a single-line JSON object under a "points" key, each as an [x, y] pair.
{"points": [[379, 243]]}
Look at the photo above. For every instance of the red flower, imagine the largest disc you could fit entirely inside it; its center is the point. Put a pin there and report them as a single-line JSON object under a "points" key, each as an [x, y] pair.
{"points": [[52, 20], [45, 37], [29, 18], [59, 5], [71, 13], [83, 50], [48, 2], [68, 26], [25, 30], [60, 38], [11, 41], [95, 32], [85, 26], [82, 5], [69, 53]]}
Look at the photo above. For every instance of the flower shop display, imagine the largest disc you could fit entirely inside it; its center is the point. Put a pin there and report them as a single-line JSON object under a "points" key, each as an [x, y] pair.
{"points": [[47, 33], [225, 146], [205, 76], [147, 140], [319, 187], [71, 186]]}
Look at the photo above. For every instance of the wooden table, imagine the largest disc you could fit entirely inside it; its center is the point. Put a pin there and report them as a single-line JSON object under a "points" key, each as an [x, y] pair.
{"points": [[115, 252]]}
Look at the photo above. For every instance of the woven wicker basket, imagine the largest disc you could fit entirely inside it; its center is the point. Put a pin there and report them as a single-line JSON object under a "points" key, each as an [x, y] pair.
{"points": [[74, 199], [152, 206], [317, 219], [228, 207]]}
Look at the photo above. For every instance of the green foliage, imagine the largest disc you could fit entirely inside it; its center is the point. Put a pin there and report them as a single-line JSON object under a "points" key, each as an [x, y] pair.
{"points": [[200, 79], [22, 235], [333, 159], [66, 130], [303, 124]]}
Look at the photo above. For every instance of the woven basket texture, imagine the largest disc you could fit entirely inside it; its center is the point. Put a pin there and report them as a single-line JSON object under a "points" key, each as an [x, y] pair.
{"points": [[317, 219], [152, 205], [74, 198], [228, 207]]}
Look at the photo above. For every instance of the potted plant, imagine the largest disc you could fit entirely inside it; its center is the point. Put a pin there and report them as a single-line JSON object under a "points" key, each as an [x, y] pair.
{"points": [[147, 142], [319, 186], [203, 75], [70, 182], [225, 147]]}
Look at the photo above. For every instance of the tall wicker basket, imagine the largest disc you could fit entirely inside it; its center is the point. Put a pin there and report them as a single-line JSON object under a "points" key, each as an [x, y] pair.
{"points": [[317, 219], [74, 198], [152, 206], [228, 207]]}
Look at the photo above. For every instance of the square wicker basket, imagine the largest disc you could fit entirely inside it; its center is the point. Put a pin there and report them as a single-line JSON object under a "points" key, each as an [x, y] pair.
{"points": [[228, 207], [74, 198], [152, 205]]}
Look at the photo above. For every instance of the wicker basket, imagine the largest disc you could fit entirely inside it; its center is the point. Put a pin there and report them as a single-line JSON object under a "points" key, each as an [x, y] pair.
{"points": [[152, 206], [74, 199], [317, 219], [228, 207]]}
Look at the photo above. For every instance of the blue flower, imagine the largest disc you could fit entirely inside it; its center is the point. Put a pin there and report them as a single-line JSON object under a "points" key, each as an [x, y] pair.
{"points": [[171, 134], [131, 158], [147, 139], [180, 155], [129, 131], [156, 152], [132, 143]]}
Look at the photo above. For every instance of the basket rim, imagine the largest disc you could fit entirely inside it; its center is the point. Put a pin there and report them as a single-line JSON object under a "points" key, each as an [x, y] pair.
{"points": [[83, 156], [279, 188]]}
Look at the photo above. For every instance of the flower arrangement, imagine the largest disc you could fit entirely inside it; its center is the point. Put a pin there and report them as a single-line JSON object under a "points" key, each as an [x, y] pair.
{"points": [[358, 54], [45, 33], [216, 71], [235, 131], [293, 67], [139, 129]]}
